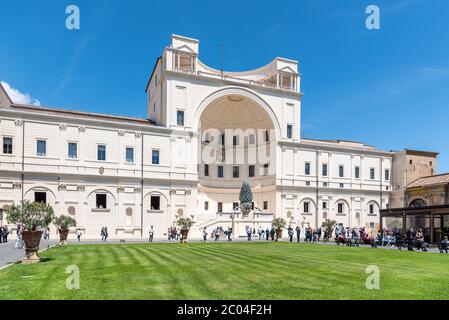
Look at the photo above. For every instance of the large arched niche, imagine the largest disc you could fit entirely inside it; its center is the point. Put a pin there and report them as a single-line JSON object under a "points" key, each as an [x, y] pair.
{"points": [[236, 113], [249, 98]]}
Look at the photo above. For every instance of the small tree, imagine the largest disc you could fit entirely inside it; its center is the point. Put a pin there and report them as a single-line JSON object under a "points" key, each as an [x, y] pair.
{"points": [[278, 223], [64, 222], [185, 223], [329, 225], [32, 215]]}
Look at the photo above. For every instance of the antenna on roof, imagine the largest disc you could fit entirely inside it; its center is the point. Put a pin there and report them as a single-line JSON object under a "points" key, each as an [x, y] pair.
{"points": [[222, 57]]}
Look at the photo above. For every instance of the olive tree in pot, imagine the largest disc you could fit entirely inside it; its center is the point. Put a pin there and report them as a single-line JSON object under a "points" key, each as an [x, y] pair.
{"points": [[33, 217], [185, 224], [278, 224], [63, 223]]}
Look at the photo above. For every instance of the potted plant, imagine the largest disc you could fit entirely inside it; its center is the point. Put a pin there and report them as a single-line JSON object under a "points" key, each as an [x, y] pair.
{"points": [[329, 225], [185, 224], [63, 223], [278, 224], [33, 217]]}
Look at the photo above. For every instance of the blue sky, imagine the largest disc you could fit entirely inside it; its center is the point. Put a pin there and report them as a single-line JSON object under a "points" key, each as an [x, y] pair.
{"points": [[388, 88]]}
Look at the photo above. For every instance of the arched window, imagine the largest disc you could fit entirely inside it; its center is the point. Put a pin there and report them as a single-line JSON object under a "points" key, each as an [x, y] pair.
{"points": [[418, 203]]}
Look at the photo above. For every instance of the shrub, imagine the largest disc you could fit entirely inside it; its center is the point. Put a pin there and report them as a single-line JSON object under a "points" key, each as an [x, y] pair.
{"points": [[32, 215], [64, 222]]}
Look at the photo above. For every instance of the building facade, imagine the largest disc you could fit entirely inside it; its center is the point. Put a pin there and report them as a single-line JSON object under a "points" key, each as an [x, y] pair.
{"points": [[207, 131]]}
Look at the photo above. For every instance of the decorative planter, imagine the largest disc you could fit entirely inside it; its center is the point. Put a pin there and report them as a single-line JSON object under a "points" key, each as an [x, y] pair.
{"points": [[32, 239], [63, 234], [184, 234], [278, 234]]}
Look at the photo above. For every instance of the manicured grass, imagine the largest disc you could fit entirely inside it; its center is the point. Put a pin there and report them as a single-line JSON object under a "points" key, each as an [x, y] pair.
{"points": [[227, 271]]}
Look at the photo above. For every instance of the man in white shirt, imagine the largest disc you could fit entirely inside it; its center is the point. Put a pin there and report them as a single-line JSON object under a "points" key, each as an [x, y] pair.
{"points": [[151, 234]]}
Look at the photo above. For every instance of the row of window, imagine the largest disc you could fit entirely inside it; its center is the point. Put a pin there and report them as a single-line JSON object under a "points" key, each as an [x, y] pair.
{"points": [[340, 207], [235, 205], [341, 171], [72, 151], [236, 171]]}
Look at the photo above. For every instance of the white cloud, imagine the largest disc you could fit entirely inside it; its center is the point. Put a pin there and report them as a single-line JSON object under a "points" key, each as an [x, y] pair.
{"points": [[19, 97]]}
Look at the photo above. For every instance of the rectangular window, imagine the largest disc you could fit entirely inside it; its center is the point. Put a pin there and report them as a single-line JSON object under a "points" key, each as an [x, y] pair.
{"points": [[251, 170], [222, 139], [307, 168], [372, 173], [267, 136], [206, 170], [342, 185], [155, 203], [235, 140], [324, 205], [387, 175], [325, 184], [40, 197], [306, 207], [357, 172], [340, 208], [41, 148], [289, 131], [206, 205], [235, 172], [265, 205], [252, 139], [72, 150], [220, 171], [130, 155], [341, 171], [155, 156], [220, 207], [307, 183], [180, 118], [101, 152], [324, 170], [7, 145], [265, 169], [235, 205], [101, 201], [371, 209]]}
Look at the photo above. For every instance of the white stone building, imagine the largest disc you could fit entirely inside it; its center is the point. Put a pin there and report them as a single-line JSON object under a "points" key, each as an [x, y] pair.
{"points": [[128, 174]]}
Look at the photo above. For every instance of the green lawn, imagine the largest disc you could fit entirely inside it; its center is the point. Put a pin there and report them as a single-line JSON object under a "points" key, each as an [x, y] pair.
{"points": [[227, 271]]}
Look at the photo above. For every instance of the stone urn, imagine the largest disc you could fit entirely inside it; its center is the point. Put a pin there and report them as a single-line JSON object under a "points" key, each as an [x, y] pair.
{"points": [[278, 234], [63, 234], [184, 234], [32, 239]]}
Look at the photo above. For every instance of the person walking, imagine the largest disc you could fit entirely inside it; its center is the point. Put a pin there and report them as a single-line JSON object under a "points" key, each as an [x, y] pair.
{"points": [[1, 234], [267, 234], [419, 240], [249, 232], [204, 234], [151, 234], [217, 234], [298, 233], [272, 232], [78, 235], [229, 234], [290, 233], [106, 233], [259, 232], [102, 234]]}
